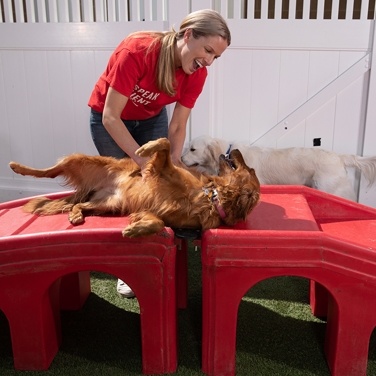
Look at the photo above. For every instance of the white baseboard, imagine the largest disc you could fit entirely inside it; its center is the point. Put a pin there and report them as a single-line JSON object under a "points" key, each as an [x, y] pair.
{"points": [[14, 189]]}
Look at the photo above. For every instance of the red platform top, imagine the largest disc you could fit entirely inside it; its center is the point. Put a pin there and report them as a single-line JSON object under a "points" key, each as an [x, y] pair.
{"points": [[15, 225], [291, 209]]}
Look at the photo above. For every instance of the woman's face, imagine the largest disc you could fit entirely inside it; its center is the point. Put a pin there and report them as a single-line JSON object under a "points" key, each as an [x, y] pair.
{"points": [[193, 54]]}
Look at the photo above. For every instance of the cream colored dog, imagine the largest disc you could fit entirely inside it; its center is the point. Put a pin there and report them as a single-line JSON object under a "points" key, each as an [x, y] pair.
{"points": [[316, 168]]}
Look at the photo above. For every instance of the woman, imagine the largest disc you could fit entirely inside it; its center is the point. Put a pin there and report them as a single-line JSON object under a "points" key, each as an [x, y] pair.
{"points": [[146, 72]]}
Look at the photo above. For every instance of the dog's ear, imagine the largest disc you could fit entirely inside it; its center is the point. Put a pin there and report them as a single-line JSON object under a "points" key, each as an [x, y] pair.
{"points": [[238, 201], [247, 200], [213, 152]]}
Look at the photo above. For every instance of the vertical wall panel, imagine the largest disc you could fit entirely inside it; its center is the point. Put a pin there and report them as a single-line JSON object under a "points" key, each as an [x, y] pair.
{"points": [[293, 81], [53, 11], [320, 9], [348, 118], [349, 9], [148, 9], [87, 10], [39, 112], [364, 10], [200, 118], [83, 81], [294, 138], [176, 12], [251, 9], [349, 58], [320, 124], [123, 11], [306, 10], [100, 11], [335, 9], [5, 150], [200, 4], [217, 103], [76, 14], [8, 12], [42, 13], [237, 9], [323, 68], [264, 10], [17, 105], [61, 92], [112, 12], [20, 17], [63, 11], [367, 194], [278, 10], [292, 9], [236, 95], [265, 91], [100, 62]]}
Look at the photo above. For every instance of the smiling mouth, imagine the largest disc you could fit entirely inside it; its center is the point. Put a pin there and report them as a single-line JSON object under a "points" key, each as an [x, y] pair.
{"points": [[197, 65]]}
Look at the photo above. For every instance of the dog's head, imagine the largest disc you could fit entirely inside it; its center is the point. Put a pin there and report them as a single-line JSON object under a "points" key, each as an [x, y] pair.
{"points": [[237, 186], [203, 153]]}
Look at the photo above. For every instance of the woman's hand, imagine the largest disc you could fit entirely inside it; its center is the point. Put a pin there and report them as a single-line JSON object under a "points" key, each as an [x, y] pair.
{"points": [[178, 162], [115, 103]]}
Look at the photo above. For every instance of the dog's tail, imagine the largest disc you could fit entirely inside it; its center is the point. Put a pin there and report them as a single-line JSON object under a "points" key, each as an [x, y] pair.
{"points": [[367, 165], [46, 206]]}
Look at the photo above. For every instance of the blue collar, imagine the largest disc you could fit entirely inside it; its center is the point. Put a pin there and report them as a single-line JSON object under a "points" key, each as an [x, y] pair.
{"points": [[228, 150]]}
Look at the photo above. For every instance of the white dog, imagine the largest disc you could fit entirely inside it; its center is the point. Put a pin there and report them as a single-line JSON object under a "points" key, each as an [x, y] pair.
{"points": [[316, 168]]}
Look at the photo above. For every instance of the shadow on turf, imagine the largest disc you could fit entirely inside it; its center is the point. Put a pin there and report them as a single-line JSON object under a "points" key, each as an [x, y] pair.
{"points": [[100, 332], [103, 333]]}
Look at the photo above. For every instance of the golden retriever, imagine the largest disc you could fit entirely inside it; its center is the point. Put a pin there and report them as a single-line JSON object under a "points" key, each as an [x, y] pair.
{"points": [[162, 194], [316, 168]]}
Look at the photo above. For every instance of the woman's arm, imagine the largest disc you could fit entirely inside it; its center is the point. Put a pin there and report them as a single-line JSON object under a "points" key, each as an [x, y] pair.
{"points": [[177, 131], [113, 107]]}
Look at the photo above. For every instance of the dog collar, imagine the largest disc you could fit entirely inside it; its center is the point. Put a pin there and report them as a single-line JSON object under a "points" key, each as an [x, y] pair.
{"points": [[213, 196], [228, 150]]}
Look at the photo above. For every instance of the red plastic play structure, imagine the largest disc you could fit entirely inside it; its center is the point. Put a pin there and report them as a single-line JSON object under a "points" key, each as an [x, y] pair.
{"points": [[295, 231], [45, 265]]}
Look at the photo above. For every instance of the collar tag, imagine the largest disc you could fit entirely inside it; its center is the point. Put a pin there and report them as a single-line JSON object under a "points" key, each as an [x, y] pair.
{"points": [[207, 192], [213, 195]]}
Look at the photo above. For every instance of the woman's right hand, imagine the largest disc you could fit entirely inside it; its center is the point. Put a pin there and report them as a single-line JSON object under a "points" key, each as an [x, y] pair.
{"points": [[113, 107]]}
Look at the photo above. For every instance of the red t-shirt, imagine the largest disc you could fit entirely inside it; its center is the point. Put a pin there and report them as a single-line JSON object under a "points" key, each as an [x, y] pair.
{"points": [[132, 72]]}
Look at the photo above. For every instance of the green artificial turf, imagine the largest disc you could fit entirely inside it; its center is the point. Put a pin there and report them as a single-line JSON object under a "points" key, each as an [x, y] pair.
{"points": [[277, 334]]}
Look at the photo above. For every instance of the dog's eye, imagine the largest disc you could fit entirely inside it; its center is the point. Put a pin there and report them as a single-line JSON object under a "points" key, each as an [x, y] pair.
{"points": [[193, 149]]}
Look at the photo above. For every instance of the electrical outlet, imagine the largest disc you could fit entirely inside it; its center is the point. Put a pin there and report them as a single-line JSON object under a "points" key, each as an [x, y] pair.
{"points": [[317, 142]]}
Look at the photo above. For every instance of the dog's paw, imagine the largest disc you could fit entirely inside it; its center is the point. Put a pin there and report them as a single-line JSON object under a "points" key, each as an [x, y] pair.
{"points": [[145, 151], [75, 218], [16, 167], [130, 232], [151, 147], [136, 229]]}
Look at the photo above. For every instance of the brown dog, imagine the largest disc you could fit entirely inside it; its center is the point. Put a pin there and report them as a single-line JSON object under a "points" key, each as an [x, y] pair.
{"points": [[159, 195]]}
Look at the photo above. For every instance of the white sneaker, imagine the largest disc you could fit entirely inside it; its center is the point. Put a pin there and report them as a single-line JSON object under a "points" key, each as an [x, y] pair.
{"points": [[124, 290]]}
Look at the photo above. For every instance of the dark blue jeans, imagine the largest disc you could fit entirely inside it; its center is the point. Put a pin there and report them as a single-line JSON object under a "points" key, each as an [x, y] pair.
{"points": [[142, 131]]}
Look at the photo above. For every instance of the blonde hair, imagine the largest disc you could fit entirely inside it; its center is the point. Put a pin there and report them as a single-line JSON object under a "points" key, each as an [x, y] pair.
{"points": [[205, 22]]}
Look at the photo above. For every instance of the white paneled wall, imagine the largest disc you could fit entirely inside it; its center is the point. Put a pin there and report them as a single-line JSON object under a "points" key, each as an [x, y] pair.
{"points": [[294, 72]]}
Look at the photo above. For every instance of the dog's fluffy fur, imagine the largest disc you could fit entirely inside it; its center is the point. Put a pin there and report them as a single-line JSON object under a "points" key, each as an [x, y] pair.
{"points": [[159, 195], [316, 168]]}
